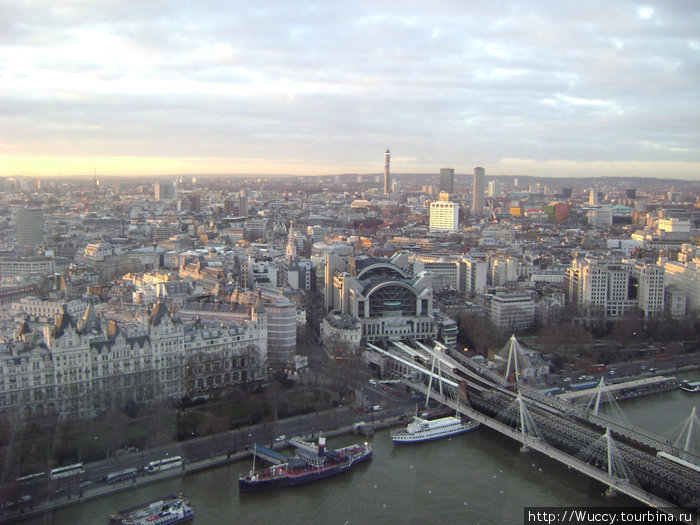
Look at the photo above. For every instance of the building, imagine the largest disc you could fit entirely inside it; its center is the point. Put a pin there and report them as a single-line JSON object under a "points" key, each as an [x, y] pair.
{"points": [[24, 266], [447, 329], [446, 271], [84, 368], [301, 275], [510, 312], [478, 192], [10, 294], [675, 301], [195, 202], [475, 275], [46, 310], [495, 188], [165, 190], [609, 288], [447, 180], [341, 334], [685, 276], [387, 172], [389, 302], [444, 216], [600, 217], [30, 227], [219, 354]]}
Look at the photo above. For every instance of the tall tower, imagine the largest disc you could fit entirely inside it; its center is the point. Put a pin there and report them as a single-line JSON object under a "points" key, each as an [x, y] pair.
{"points": [[478, 192], [447, 180], [291, 251], [387, 172]]}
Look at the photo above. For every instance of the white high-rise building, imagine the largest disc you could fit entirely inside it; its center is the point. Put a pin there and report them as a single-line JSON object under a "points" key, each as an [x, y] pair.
{"points": [[444, 216]]}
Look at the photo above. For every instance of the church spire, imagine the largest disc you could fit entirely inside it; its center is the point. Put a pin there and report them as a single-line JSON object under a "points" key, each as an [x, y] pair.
{"points": [[291, 244]]}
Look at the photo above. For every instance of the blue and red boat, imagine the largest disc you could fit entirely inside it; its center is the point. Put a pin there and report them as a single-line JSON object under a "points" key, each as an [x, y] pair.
{"points": [[308, 465]]}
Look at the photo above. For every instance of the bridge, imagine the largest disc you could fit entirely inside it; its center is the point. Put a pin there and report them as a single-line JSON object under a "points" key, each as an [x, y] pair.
{"points": [[627, 459], [267, 454]]}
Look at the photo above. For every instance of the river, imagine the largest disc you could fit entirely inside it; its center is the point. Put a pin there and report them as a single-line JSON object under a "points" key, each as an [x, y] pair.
{"points": [[480, 477]]}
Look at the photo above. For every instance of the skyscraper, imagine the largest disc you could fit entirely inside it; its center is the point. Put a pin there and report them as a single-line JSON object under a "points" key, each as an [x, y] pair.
{"points": [[30, 227], [478, 192], [387, 172], [447, 180], [165, 190], [494, 188]]}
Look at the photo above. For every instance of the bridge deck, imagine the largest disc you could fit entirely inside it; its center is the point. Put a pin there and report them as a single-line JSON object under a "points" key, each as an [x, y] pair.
{"points": [[268, 454], [618, 484]]}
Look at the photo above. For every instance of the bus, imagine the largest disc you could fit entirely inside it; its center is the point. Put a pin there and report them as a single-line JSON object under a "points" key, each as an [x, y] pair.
{"points": [[31, 478], [122, 475], [163, 464], [597, 368], [67, 471]]}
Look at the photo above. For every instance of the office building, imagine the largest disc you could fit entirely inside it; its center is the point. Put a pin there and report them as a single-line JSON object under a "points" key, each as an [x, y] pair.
{"points": [[444, 216], [447, 180], [495, 188], [609, 288], [165, 190], [30, 227]]}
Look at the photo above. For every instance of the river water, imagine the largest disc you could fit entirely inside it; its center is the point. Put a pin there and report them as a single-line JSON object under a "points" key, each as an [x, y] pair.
{"points": [[480, 477]]}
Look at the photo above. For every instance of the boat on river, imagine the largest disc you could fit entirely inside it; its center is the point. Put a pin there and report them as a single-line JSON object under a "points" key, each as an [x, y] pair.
{"points": [[420, 429], [167, 510], [308, 465], [690, 386]]}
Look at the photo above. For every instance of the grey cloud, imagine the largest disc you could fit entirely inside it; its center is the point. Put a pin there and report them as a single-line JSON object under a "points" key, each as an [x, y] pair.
{"points": [[541, 80]]}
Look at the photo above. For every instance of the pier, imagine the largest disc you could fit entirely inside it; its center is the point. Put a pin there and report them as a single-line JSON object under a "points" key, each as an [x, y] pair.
{"points": [[623, 390]]}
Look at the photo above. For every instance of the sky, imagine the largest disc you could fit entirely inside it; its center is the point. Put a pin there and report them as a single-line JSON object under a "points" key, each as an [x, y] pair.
{"points": [[542, 88]]}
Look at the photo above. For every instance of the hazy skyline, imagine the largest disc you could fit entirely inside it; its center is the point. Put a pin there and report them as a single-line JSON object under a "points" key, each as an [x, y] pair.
{"points": [[542, 89]]}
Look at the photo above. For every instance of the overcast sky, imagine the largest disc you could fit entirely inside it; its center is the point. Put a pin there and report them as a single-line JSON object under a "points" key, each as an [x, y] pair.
{"points": [[520, 87]]}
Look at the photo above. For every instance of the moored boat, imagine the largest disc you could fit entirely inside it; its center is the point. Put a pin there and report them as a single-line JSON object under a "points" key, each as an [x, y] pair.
{"points": [[308, 465], [690, 386], [420, 429], [164, 511]]}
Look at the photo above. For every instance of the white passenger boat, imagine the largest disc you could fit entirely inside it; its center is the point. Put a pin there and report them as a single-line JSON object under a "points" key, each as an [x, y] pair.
{"points": [[424, 429]]}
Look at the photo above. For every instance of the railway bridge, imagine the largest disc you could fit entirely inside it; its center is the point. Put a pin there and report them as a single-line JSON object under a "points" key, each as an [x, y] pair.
{"points": [[624, 458]]}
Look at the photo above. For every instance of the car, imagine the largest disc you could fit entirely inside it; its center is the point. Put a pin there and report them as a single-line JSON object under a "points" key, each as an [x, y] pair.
{"points": [[384, 387], [567, 380], [652, 370], [611, 372], [372, 382], [85, 483], [644, 367], [280, 438]]}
